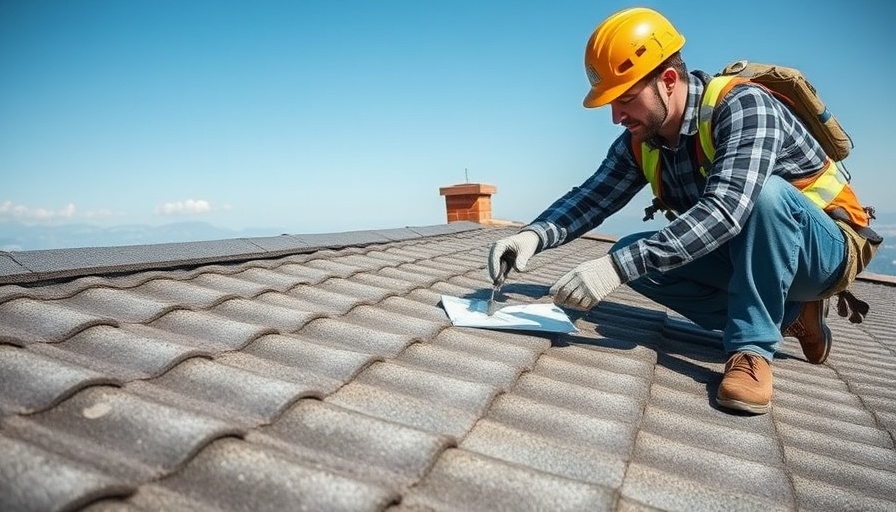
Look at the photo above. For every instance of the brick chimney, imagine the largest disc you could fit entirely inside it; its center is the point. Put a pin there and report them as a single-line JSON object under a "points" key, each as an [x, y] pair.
{"points": [[468, 201]]}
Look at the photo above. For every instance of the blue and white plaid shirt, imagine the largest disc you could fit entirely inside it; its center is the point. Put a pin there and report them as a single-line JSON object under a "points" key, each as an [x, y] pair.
{"points": [[755, 136]]}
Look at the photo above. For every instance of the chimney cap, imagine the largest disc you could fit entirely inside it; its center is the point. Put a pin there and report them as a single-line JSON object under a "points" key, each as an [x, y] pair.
{"points": [[468, 189]]}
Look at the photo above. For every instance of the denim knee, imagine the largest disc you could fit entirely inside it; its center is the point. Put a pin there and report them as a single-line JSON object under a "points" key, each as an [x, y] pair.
{"points": [[776, 193]]}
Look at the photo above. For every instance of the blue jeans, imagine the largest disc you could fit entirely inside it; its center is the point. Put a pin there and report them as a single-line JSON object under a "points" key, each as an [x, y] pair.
{"points": [[788, 252]]}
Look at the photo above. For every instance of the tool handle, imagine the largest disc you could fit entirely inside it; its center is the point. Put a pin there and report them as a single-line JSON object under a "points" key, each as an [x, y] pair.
{"points": [[507, 261]]}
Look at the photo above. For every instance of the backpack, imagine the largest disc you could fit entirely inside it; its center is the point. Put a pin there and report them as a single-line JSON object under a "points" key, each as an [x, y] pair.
{"points": [[791, 87]]}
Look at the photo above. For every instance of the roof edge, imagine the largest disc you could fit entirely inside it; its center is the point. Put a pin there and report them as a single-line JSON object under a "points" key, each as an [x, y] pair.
{"points": [[26, 267]]}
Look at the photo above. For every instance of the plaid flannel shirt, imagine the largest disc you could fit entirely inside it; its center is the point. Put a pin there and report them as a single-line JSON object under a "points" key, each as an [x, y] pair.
{"points": [[755, 136]]}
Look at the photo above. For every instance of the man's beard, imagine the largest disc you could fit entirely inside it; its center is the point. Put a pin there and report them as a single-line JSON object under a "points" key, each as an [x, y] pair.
{"points": [[655, 119]]}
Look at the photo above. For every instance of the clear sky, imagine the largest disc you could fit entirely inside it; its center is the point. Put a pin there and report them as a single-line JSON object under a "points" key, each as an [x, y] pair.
{"points": [[330, 115]]}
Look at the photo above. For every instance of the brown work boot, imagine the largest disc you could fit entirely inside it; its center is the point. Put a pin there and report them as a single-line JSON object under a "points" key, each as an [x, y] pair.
{"points": [[811, 331], [747, 384]]}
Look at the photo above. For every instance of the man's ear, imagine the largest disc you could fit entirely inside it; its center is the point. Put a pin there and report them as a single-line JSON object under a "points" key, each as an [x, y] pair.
{"points": [[668, 78]]}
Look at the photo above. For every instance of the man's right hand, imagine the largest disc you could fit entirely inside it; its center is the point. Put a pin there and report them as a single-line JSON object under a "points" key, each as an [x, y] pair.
{"points": [[519, 248]]}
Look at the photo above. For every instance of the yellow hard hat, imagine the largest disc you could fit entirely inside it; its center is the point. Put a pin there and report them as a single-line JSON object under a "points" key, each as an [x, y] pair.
{"points": [[625, 48]]}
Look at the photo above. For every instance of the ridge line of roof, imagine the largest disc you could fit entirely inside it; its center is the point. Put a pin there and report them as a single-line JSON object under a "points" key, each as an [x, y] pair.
{"points": [[28, 267]]}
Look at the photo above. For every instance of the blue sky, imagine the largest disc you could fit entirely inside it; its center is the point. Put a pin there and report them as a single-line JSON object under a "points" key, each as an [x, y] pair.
{"points": [[330, 115]]}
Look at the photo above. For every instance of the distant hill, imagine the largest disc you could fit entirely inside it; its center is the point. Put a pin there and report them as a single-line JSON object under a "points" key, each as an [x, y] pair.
{"points": [[16, 236]]}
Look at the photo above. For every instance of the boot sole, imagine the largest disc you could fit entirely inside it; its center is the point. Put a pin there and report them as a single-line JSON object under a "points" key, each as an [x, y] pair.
{"points": [[744, 406], [826, 331], [828, 341]]}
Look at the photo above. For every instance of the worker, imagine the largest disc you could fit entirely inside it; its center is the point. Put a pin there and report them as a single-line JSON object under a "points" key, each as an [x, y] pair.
{"points": [[747, 252]]}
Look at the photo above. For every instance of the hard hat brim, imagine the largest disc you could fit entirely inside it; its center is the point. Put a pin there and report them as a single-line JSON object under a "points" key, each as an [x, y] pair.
{"points": [[598, 97]]}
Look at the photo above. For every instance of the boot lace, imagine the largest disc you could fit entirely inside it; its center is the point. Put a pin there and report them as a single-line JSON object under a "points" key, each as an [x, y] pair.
{"points": [[796, 329], [743, 362]]}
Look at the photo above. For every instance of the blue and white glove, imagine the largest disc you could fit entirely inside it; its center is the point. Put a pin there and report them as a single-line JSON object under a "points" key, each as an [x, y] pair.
{"points": [[586, 285]]}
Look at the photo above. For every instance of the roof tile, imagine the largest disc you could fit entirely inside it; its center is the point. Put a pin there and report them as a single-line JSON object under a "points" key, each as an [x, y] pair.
{"points": [[310, 382], [436, 359], [437, 386], [848, 450], [231, 474], [333, 268], [377, 280], [519, 352], [270, 315], [225, 391], [426, 272], [869, 481], [612, 436], [49, 321], [821, 496], [392, 256], [701, 405], [306, 353], [411, 323], [670, 491], [727, 439], [35, 479], [317, 298], [462, 480], [390, 454], [299, 273], [563, 370], [210, 330], [269, 279], [363, 263], [550, 454], [118, 433], [351, 287], [230, 285], [31, 382], [120, 304], [123, 353], [728, 469], [839, 422], [183, 293], [345, 333], [696, 376], [584, 400], [416, 412]]}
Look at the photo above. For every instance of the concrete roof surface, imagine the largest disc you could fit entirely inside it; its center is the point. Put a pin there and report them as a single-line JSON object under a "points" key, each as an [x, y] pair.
{"points": [[320, 372]]}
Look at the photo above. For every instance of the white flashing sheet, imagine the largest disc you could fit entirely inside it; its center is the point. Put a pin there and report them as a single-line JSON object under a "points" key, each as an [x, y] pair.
{"points": [[522, 317]]}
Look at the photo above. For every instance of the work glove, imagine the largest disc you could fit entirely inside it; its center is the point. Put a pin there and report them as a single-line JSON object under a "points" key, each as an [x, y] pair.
{"points": [[516, 248], [584, 286]]}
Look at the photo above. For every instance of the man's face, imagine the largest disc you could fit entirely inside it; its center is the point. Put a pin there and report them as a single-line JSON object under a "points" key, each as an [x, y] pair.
{"points": [[640, 110]]}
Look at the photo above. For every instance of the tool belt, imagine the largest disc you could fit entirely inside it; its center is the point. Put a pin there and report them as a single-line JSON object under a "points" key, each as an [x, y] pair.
{"points": [[861, 245], [859, 252]]}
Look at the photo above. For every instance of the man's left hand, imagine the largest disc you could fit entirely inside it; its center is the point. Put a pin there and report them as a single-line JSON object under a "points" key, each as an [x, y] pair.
{"points": [[584, 286]]}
